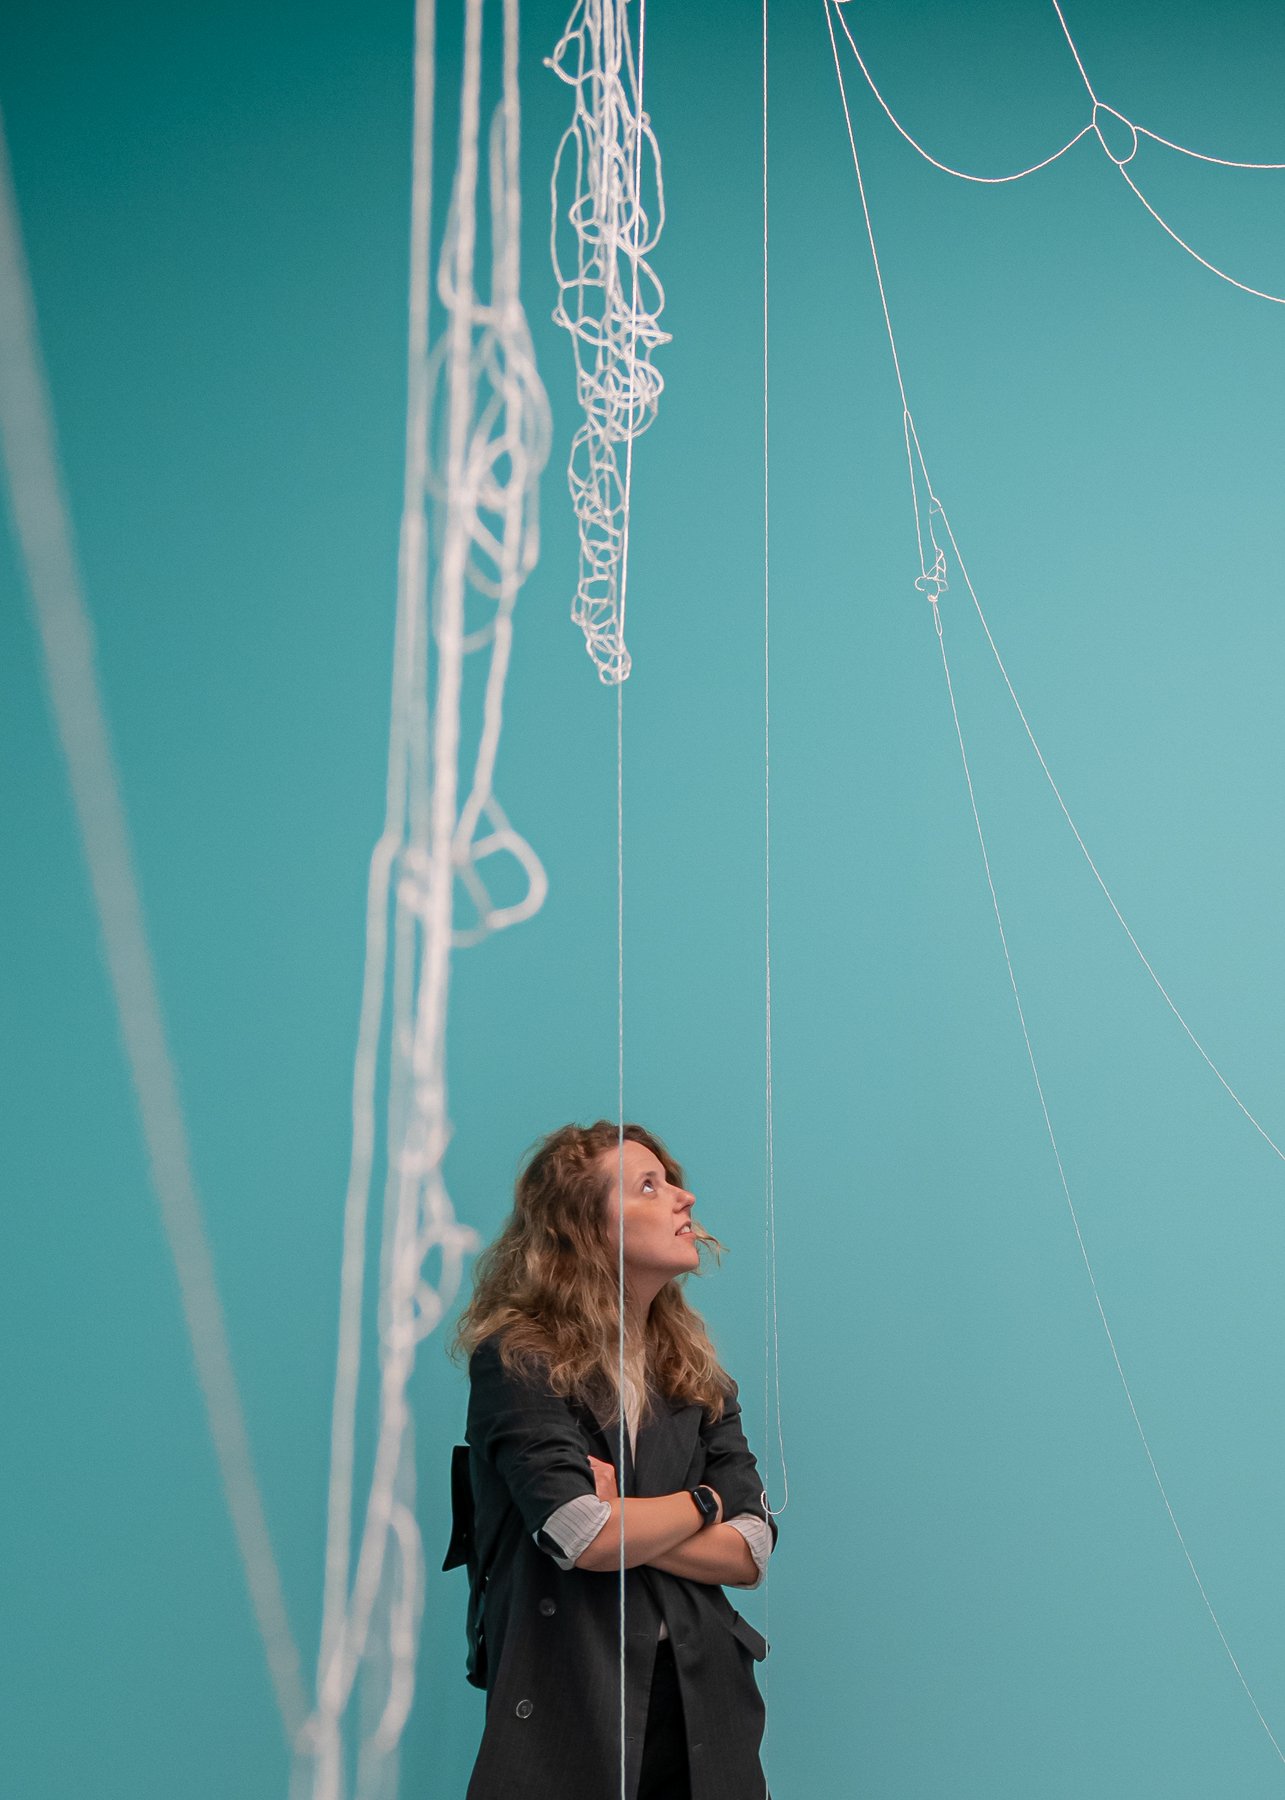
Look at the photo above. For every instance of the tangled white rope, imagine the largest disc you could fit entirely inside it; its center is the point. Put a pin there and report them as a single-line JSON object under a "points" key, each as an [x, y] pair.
{"points": [[479, 396], [609, 300], [1128, 131]]}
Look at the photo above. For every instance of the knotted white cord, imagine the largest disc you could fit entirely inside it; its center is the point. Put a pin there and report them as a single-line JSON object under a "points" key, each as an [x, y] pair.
{"points": [[932, 582], [609, 300], [483, 477]]}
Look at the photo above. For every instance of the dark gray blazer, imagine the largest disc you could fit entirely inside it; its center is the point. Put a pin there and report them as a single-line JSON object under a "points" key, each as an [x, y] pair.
{"points": [[545, 1642]]}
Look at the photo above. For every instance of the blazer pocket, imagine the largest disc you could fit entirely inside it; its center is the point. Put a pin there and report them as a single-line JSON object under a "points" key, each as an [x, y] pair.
{"points": [[754, 1641]]}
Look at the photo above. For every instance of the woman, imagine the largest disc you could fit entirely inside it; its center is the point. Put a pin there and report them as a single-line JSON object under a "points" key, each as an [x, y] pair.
{"points": [[546, 1472]]}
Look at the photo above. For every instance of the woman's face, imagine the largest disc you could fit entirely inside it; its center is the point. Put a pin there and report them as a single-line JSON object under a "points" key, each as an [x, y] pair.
{"points": [[659, 1240]]}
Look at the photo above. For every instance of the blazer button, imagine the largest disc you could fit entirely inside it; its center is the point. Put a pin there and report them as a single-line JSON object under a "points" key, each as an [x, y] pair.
{"points": [[548, 1608], [524, 1709]]}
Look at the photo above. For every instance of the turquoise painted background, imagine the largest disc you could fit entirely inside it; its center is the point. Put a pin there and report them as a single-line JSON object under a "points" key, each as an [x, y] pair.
{"points": [[977, 1592]]}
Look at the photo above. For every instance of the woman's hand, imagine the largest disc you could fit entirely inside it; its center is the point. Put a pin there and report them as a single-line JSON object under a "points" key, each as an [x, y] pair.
{"points": [[604, 1479]]}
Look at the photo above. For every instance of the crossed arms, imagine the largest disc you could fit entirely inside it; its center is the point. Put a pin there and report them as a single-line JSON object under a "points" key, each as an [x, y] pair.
{"points": [[530, 1437], [666, 1533]]}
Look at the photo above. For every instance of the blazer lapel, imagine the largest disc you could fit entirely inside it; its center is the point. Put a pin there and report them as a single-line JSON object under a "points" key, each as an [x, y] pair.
{"points": [[608, 1435], [666, 1444]]}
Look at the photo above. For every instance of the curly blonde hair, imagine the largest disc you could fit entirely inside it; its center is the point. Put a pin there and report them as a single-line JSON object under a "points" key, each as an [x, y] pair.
{"points": [[549, 1283]]}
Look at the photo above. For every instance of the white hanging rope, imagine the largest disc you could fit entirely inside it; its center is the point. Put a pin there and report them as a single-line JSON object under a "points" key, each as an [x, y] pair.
{"points": [[1100, 111], [43, 536], [932, 582], [481, 383], [609, 300]]}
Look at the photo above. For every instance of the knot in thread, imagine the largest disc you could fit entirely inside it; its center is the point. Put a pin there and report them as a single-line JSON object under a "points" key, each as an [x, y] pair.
{"points": [[1099, 110], [933, 585]]}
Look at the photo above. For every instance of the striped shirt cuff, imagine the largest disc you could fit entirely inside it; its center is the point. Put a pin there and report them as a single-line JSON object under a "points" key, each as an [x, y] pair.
{"points": [[756, 1534], [572, 1527]]}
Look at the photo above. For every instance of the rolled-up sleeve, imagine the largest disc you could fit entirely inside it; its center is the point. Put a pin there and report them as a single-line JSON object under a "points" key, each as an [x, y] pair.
{"points": [[757, 1536], [530, 1437], [573, 1527]]}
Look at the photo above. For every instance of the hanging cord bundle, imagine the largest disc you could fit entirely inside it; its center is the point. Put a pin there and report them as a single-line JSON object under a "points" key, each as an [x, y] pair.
{"points": [[609, 300], [933, 583], [477, 437]]}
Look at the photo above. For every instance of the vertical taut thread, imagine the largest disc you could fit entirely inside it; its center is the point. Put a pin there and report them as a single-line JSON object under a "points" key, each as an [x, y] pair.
{"points": [[620, 838], [620, 1179], [771, 1318], [769, 1232]]}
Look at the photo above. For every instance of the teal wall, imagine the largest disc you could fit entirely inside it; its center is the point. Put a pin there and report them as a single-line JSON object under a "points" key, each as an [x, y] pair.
{"points": [[977, 1592]]}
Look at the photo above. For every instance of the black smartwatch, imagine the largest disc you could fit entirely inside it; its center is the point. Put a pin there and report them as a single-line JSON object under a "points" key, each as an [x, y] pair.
{"points": [[706, 1504]]}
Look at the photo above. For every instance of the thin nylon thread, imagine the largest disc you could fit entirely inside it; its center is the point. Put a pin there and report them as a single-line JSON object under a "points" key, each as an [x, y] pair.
{"points": [[1097, 874], [1066, 1191], [913, 454], [769, 1110], [770, 1332], [620, 1168], [1092, 126], [932, 582], [946, 168], [620, 846]]}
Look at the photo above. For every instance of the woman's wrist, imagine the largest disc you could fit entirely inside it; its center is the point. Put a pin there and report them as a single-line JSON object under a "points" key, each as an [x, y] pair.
{"points": [[709, 1508]]}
